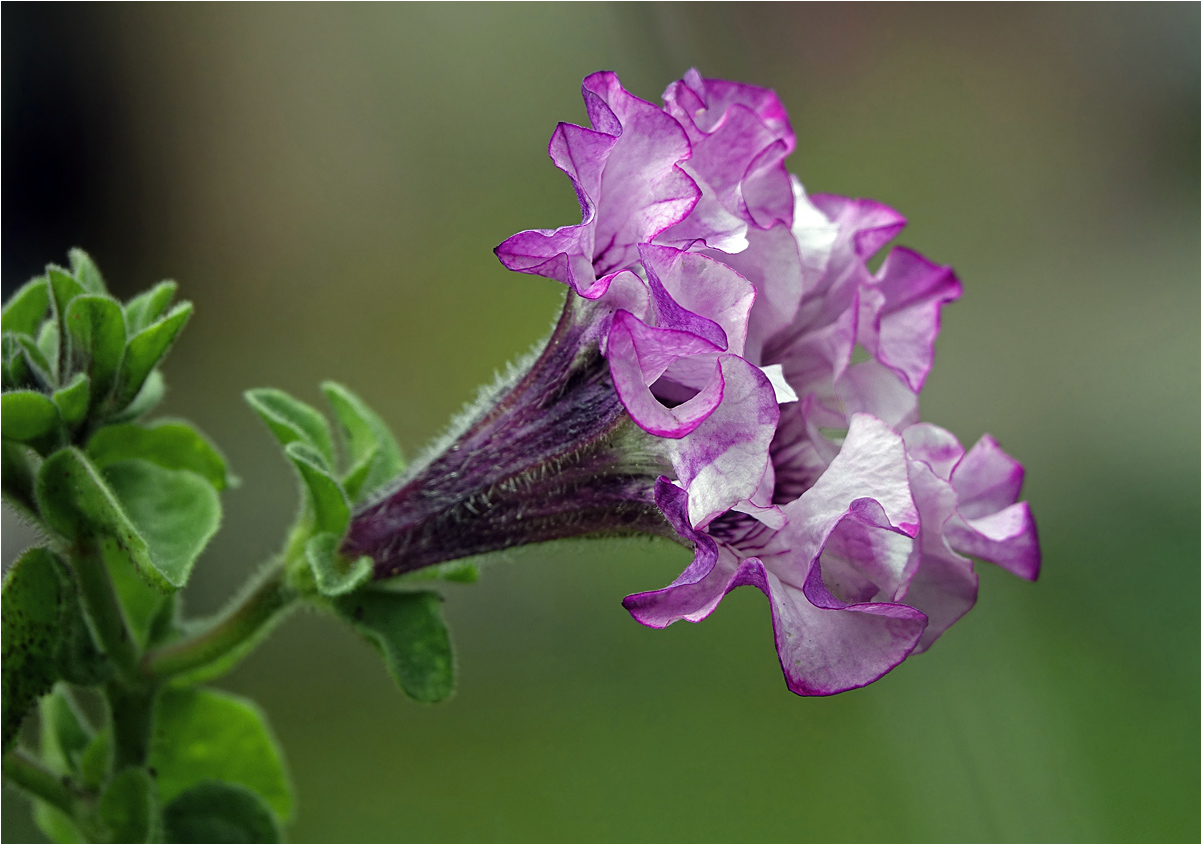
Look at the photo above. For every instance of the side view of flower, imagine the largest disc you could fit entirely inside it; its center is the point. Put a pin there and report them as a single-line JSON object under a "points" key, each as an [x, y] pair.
{"points": [[702, 384], [727, 373]]}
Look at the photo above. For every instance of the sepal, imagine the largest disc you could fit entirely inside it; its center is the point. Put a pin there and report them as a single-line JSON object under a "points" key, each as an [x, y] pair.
{"points": [[372, 455], [334, 574], [330, 509], [291, 420]]}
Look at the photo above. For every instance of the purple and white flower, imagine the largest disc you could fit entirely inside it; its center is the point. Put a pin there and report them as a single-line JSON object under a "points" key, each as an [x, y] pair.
{"points": [[701, 385]]}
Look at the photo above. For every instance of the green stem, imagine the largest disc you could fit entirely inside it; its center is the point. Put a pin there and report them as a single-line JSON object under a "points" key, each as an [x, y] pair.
{"points": [[104, 608], [131, 709], [59, 791], [236, 628]]}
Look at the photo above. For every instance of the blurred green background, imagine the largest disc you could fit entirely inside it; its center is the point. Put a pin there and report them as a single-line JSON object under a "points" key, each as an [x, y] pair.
{"points": [[327, 183]]}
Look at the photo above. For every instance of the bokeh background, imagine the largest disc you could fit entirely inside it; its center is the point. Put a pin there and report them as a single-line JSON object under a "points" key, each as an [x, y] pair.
{"points": [[327, 182]]}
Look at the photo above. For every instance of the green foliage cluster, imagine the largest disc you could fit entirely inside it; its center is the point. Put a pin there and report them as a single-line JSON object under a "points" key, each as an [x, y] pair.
{"points": [[130, 747]]}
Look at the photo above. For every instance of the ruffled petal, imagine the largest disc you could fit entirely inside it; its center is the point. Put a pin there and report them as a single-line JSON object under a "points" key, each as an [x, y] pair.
{"points": [[642, 190], [991, 524], [824, 651], [899, 316], [987, 479], [1007, 538], [943, 585], [723, 460], [638, 355], [697, 294], [872, 224]]}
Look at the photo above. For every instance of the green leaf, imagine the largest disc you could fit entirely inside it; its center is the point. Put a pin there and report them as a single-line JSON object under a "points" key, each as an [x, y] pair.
{"points": [[97, 329], [172, 444], [39, 366], [57, 826], [48, 345], [94, 761], [29, 631], [78, 658], [26, 308], [85, 272], [27, 416], [202, 734], [373, 455], [331, 511], [409, 631], [76, 503], [175, 511], [64, 733], [335, 574], [63, 289], [18, 469], [149, 396], [291, 420], [72, 400], [129, 807], [148, 306], [16, 369], [215, 811], [146, 349]]}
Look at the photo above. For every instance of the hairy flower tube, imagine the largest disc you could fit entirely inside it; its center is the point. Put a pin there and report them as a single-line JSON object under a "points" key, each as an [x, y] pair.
{"points": [[700, 385]]}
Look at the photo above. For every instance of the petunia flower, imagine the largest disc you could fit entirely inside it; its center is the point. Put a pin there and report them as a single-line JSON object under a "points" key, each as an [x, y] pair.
{"points": [[702, 385]]}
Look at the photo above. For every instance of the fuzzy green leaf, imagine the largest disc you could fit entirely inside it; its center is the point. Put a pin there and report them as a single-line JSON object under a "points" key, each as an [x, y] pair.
{"points": [[72, 400], [29, 634], [85, 271], [78, 658], [39, 366], [76, 503], [18, 469], [335, 574], [148, 397], [97, 329], [172, 444], [175, 511], [129, 807], [331, 510], [148, 306], [373, 456], [202, 734], [27, 416], [215, 811], [15, 368], [64, 732], [146, 349], [291, 420], [94, 761], [48, 345], [63, 289], [409, 632], [26, 308], [56, 825]]}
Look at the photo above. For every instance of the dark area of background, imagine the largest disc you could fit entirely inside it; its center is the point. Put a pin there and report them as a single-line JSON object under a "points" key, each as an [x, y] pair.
{"points": [[327, 182]]}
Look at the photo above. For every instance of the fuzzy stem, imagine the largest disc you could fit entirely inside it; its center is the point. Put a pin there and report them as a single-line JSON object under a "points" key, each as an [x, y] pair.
{"points": [[131, 710], [227, 632], [104, 608], [59, 791]]}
